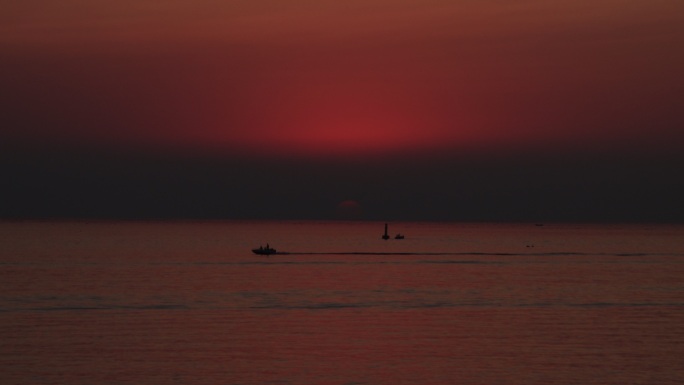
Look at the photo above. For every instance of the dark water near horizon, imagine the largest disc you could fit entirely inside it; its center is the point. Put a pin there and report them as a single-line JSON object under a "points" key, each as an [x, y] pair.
{"points": [[188, 303]]}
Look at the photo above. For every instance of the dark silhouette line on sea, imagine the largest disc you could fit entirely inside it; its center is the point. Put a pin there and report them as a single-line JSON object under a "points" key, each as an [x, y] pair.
{"points": [[268, 250], [471, 253]]}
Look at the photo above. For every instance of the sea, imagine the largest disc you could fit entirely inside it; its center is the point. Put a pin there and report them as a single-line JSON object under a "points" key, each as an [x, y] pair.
{"points": [[452, 303]]}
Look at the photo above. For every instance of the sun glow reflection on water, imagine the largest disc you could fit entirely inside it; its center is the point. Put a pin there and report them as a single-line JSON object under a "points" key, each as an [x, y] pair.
{"points": [[452, 303]]}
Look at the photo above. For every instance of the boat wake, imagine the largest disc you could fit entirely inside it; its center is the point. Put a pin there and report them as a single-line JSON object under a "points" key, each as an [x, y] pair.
{"points": [[477, 253]]}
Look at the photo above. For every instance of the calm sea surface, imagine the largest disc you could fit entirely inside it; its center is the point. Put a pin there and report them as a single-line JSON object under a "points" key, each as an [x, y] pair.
{"points": [[188, 303]]}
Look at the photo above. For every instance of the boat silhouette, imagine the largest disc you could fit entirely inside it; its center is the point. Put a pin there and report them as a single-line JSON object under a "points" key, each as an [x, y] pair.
{"points": [[268, 250], [385, 236]]}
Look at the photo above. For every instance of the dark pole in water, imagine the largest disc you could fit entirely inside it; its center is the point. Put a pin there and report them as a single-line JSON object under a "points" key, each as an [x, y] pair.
{"points": [[385, 236]]}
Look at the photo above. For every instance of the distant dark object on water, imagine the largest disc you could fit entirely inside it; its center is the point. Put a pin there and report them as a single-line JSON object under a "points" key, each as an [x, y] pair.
{"points": [[539, 224], [268, 250], [385, 236]]}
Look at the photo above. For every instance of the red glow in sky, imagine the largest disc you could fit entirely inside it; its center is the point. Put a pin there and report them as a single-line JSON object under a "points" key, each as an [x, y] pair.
{"points": [[343, 78]]}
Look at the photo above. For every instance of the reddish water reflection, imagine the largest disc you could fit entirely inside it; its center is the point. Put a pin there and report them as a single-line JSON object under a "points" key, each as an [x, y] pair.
{"points": [[188, 303]]}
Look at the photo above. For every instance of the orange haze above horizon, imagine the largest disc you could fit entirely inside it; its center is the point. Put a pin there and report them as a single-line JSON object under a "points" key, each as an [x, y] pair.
{"points": [[332, 78]]}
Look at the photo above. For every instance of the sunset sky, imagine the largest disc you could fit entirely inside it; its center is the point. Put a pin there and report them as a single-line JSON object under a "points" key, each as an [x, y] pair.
{"points": [[432, 110]]}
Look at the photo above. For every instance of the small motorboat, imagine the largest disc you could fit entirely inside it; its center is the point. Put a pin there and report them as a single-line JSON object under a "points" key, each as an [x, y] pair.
{"points": [[399, 236], [268, 250]]}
